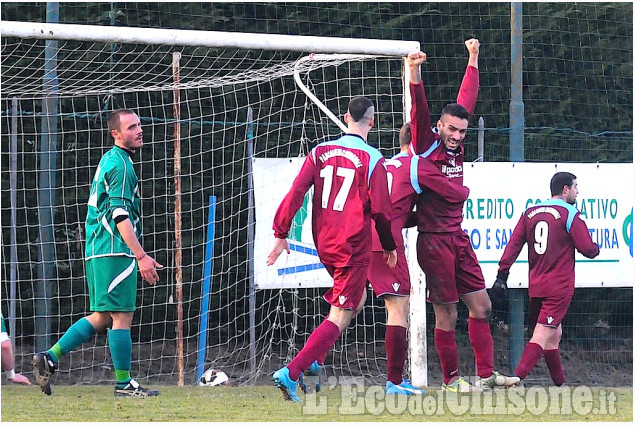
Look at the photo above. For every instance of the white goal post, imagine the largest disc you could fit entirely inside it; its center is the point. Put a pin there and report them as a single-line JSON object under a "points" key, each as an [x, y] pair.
{"points": [[214, 79], [238, 40]]}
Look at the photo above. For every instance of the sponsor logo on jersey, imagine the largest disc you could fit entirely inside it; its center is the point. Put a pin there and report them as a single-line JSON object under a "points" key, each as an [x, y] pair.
{"points": [[343, 153], [452, 171], [549, 210], [393, 163]]}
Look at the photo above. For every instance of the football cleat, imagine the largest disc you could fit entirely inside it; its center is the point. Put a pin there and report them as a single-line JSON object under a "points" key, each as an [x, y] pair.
{"points": [[133, 389], [303, 386], [43, 367], [288, 386], [497, 380], [405, 387], [460, 385], [316, 370]]}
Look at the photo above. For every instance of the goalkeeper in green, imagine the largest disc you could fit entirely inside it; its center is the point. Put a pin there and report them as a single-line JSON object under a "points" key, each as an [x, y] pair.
{"points": [[113, 255]]}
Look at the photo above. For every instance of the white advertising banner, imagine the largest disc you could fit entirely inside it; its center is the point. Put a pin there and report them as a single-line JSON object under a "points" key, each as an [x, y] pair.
{"points": [[301, 268], [499, 193]]}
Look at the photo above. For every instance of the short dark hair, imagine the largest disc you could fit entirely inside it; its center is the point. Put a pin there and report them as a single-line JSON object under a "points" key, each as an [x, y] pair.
{"points": [[455, 110], [113, 119], [358, 107], [559, 181], [405, 135]]}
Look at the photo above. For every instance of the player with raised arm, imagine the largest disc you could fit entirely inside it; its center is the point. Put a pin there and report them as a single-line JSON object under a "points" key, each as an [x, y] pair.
{"points": [[552, 230], [113, 255], [8, 362], [444, 251], [408, 176], [350, 188]]}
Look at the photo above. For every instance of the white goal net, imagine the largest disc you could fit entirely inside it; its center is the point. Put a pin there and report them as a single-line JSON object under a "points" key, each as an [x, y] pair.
{"points": [[206, 113]]}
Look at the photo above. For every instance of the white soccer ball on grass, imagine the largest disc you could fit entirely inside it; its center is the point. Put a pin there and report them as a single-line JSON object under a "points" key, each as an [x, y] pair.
{"points": [[213, 377]]}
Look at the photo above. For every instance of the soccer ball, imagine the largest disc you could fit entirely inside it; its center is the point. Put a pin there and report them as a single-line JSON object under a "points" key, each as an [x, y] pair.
{"points": [[212, 378]]}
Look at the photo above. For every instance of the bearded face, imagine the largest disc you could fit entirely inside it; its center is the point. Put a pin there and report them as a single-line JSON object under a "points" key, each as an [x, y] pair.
{"points": [[452, 131]]}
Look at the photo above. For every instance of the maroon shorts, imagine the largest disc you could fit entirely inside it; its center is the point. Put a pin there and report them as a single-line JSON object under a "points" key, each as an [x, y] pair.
{"points": [[548, 311], [387, 281], [349, 284], [450, 266]]}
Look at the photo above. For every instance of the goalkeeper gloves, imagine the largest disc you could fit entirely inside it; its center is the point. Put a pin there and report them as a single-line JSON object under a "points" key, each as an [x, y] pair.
{"points": [[499, 289]]}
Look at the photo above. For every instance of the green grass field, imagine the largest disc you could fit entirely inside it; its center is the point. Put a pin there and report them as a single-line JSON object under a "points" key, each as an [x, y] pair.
{"points": [[265, 403]]}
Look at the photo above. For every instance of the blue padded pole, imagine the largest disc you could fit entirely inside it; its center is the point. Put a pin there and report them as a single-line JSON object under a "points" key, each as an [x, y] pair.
{"points": [[205, 288]]}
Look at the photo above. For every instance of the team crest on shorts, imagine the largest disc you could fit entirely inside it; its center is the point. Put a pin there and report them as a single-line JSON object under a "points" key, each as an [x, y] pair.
{"points": [[549, 319], [342, 299], [395, 286]]}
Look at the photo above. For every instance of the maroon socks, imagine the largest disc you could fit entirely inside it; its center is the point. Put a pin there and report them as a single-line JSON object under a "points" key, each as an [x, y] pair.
{"points": [[396, 351], [552, 358], [445, 343], [482, 345], [530, 358], [316, 347]]}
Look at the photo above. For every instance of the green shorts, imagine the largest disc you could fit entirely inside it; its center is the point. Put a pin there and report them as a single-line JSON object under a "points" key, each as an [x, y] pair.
{"points": [[112, 283]]}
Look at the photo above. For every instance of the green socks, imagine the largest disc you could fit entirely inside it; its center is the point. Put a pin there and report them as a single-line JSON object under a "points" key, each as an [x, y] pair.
{"points": [[119, 341], [120, 344], [80, 332]]}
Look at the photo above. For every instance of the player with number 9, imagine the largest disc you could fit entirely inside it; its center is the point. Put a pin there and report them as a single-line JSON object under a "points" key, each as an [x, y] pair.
{"points": [[553, 230]]}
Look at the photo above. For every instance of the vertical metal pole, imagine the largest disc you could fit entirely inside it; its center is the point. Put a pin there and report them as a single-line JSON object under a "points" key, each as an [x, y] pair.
{"points": [[516, 154], [176, 56], [481, 140], [417, 340], [13, 170], [46, 192], [111, 62], [516, 105], [480, 158], [250, 241], [205, 288]]}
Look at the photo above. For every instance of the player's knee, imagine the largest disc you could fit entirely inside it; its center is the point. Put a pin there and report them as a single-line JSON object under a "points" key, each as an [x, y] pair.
{"points": [[99, 320], [397, 314], [445, 316], [397, 305], [487, 312], [486, 307], [340, 317], [481, 310], [6, 347]]}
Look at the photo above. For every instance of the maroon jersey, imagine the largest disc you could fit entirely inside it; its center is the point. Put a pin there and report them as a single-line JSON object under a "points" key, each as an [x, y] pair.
{"points": [[350, 187], [409, 176], [437, 214], [553, 231]]}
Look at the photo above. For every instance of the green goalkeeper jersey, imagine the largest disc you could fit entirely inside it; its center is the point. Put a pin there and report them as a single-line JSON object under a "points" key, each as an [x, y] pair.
{"points": [[114, 194]]}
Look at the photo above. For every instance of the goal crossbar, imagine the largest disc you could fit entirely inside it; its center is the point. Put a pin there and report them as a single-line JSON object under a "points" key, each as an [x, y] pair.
{"points": [[172, 37]]}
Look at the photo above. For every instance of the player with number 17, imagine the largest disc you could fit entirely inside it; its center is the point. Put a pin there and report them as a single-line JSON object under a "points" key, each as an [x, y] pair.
{"points": [[350, 187]]}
